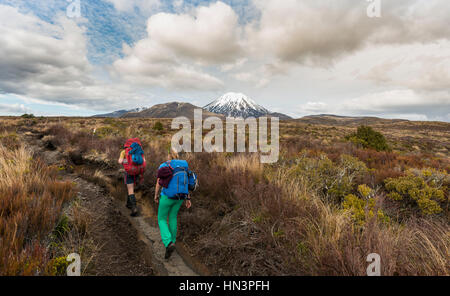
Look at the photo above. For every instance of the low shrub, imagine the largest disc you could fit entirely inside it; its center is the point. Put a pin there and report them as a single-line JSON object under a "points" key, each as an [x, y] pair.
{"points": [[58, 266], [158, 126], [364, 206], [369, 138], [329, 179], [62, 227], [106, 131], [425, 189]]}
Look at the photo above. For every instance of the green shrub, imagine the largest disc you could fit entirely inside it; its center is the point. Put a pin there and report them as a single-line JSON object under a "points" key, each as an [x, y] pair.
{"points": [[418, 190], [62, 227], [364, 206], [108, 121], [365, 191], [58, 266], [358, 207], [158, 126], [331, 180], [27, 115], [366, 137], [106, 131], [121, 126], [302, 249]]}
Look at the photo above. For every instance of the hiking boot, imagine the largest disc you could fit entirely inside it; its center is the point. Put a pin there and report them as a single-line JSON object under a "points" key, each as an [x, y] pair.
{"points": [[134, 210], [128, 203], [169, 250]]}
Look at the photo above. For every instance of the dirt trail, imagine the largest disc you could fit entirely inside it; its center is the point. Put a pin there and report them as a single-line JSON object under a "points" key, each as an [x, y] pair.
{"points": [[129, 246]]}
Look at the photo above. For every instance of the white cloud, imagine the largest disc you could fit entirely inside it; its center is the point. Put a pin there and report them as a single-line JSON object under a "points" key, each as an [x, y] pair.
{"points": [[296, 50], [314, 107], [210, 34], [245, 76], [395, 101], [262, 75], [178, 3], [178, 45], [315, 33], [13, 109], [417, 66], [318, 32], [405, 103], [129, 5], [233, 66], [392, 65], [416, 79], [167, 75], [48, 62]]}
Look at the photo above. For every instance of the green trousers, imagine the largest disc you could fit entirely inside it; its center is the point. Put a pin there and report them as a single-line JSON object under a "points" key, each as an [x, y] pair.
{"points": [[168, 210]]}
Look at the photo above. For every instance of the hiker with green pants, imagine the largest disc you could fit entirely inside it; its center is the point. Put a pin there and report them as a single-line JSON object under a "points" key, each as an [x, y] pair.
{"points": [[175, 179]]}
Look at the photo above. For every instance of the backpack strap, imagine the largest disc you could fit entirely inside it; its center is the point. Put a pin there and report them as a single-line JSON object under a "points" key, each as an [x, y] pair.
{"points": [[168, 164], [180, 169], [177, 169]]}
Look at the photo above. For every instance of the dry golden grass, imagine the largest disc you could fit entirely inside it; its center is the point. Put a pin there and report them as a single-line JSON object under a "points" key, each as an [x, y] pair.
{"points": [[330, 244], [31, 198], [75, 238]]}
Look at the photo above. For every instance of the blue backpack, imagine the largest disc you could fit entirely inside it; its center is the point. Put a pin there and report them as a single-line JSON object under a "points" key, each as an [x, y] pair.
{"points": [[137, 153], [183, 180]]}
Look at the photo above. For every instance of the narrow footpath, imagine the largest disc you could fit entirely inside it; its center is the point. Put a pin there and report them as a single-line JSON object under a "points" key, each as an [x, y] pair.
{"points": [[128, 246]]}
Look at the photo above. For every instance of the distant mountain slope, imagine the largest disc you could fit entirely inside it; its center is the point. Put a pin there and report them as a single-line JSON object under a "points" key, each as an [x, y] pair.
{"points": [[329, 119], [281, 116], [119, 113], [169, 110], [239, 105]]}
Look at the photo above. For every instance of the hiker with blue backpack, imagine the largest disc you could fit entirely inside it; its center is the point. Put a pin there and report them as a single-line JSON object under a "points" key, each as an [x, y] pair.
{"points": [[176, 180], [133, 161]]}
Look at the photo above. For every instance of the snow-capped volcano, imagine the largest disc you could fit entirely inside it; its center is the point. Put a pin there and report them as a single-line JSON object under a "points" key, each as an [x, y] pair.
{"points": [[236, 105]]}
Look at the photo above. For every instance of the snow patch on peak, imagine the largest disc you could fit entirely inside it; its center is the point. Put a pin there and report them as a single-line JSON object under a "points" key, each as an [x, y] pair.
{"points": [[236, 105], [233, 97]]}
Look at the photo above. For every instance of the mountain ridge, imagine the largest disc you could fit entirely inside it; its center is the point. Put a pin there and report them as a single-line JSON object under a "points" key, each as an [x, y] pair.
{"points": [[119, 113], [331, 119], [228, 105], [168, 110], [176, 109]]}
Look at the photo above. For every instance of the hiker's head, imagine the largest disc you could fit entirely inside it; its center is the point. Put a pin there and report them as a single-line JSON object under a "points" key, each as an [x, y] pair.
{"points": [[174, 154]]}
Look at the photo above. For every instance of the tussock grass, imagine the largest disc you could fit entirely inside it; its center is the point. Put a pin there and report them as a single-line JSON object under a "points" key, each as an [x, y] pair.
{"points": [[31, 198], [72, 235]]}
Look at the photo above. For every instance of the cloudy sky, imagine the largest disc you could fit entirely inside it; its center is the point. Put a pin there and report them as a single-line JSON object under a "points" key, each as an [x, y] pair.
{"points": [[298, 57]]}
